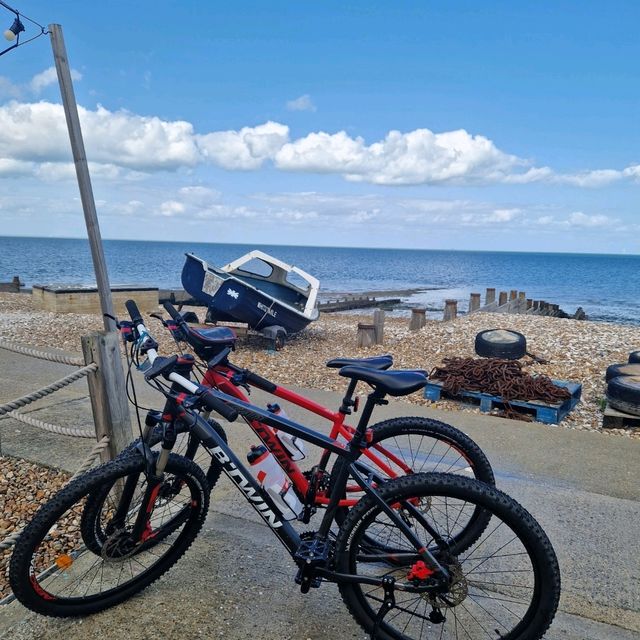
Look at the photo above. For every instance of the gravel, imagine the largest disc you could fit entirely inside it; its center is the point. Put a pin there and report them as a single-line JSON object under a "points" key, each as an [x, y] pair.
{"points": [[579, 351]]}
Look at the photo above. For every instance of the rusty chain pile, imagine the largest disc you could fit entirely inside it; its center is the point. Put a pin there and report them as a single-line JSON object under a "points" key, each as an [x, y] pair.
{"points": [[504, 378]]}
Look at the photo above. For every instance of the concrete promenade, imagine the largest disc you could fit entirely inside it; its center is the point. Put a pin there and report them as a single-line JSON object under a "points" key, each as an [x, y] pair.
{"points": [[237, 581]]}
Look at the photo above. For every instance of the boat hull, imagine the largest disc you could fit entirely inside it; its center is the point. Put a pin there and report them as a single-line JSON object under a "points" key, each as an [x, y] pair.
{"points": [[231, 300]]}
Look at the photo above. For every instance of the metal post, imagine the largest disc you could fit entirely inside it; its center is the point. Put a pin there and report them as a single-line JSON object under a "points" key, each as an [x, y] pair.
{"points": [[82, 171]]}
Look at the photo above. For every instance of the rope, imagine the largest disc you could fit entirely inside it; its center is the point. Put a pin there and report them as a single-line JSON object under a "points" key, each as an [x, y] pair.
{"points": [[43, 355], [46, 426], [99, 447], [45, 391]]}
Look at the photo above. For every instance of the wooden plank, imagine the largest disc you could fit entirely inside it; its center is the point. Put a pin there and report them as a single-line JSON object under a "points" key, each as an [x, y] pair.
{"points": [[614, 419], [107, 390], [549, 413]]}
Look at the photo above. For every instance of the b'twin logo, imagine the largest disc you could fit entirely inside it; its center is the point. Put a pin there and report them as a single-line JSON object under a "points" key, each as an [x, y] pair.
{"points": [[245, 486], [233, 293]]}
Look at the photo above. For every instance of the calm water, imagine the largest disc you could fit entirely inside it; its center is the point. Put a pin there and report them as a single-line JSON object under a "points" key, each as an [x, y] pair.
{"points": [[606, 286]]}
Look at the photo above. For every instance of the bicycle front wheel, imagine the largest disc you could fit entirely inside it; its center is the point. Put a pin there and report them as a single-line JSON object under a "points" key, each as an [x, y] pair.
{"points": [[54, 573], [504, 585]]}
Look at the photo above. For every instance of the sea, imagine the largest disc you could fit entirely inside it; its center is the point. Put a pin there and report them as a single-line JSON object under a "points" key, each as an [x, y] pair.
{"points": [[607, 287]]}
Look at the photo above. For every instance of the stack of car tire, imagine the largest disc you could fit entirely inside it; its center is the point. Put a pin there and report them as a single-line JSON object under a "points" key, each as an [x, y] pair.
{"points": [[623, 385]]}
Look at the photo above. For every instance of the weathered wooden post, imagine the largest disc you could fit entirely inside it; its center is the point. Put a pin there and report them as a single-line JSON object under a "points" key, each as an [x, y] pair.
{"points": [[366, 336], [522, 301], [418, 319], [378, 323], [474, 302], [502, 298], [490, 295], [513, 294], [450, 310], [529, 303], [108, 392]]}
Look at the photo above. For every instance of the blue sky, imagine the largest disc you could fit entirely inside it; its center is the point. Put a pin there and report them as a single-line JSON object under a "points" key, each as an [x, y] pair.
{"points": [[469, 125]]}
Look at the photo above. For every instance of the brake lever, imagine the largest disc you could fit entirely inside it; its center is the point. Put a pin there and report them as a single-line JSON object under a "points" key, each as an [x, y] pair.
{"points": [[157, 316]]}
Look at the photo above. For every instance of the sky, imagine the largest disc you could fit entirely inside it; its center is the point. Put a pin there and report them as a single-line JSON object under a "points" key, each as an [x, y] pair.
{"points": [[493, 125]]}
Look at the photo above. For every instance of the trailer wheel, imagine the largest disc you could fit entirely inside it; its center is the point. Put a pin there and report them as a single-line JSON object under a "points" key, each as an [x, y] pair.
{"points": [[280, 340]]}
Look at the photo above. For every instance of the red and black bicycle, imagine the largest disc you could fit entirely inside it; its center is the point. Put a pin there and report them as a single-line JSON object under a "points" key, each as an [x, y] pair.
{"points": [[395, 447]]}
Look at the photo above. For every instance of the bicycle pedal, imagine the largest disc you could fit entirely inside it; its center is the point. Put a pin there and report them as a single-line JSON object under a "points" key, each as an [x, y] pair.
{"points": [[312, 553]]}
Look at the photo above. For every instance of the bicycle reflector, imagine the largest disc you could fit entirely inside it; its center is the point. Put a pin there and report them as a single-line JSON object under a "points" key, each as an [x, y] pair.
{"points": [[64, 561]]}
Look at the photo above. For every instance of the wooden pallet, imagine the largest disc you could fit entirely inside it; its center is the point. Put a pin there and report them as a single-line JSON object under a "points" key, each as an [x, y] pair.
{"points": [[549, 413], [614, 419]]}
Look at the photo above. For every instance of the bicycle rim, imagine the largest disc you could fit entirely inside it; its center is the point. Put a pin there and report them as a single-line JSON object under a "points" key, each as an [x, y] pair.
{"points": [[504, 585], [52, 570]]}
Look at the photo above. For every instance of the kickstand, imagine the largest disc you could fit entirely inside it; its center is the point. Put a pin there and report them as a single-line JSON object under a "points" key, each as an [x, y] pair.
{"points": [[387, 604]]}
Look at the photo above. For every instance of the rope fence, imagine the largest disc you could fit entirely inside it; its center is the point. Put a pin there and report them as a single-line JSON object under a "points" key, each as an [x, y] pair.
{"points": [[9, 409]]}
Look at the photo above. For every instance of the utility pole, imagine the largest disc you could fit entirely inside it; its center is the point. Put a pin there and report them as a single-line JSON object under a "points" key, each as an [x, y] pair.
{"points": [[82, 171]]}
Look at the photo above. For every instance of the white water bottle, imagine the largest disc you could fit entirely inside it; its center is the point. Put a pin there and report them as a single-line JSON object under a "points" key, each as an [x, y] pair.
{"points": [[266, 470], [294, 445]]}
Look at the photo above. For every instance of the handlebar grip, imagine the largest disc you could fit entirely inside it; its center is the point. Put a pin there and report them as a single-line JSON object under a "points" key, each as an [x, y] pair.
{"points": [[173, 312], [260, 382], [134, 312], [213, 404]]}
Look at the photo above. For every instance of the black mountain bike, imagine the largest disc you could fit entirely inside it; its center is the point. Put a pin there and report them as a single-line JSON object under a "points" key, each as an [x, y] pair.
{"points": [[405, 559]]}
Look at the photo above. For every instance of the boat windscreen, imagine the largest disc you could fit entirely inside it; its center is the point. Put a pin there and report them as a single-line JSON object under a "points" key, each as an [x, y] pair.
{"points": [[257, 267], [298, 281]]}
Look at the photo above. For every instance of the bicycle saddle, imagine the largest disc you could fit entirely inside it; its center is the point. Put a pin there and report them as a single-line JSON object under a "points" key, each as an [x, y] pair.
{"points": [[209, 341], [393, 383], [375, 362]]}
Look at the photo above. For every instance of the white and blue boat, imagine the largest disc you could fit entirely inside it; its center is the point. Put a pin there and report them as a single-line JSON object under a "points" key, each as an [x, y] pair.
{"points": [[256, 289]]}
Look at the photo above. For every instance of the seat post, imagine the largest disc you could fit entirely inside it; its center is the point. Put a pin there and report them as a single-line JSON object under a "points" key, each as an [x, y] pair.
{"points": [[347, 401], [373, 399]]}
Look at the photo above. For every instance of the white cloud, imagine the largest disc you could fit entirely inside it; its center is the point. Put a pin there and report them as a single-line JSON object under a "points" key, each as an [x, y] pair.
{"points": [[303, 103], [10, 168], [48, 77], [245, 149], [579, 219], [633, 172], [417, 157], [38, 132], [121, 144], [172, 208], [597, 178], [503, 215]]}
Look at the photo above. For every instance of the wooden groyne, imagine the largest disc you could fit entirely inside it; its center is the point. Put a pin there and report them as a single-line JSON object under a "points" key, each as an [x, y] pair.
{"points": [[350, 302], [513, 301]]}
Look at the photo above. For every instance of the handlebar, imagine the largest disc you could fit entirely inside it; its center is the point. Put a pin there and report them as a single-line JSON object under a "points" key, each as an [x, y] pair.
{"points": [[173, 312], [207, 396], [134, 312]]}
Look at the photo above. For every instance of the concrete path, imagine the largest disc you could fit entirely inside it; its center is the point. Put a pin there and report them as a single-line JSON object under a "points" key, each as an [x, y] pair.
{"points": [[237, 582]]}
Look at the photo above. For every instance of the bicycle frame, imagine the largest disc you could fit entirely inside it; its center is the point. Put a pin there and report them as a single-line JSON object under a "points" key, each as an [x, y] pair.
{"points": [[220, 378], [260, 500]]}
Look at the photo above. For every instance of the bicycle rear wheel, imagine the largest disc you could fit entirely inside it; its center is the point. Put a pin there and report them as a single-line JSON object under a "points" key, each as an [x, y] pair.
{"points": [[52, 572], [506, 584], [410, 445]]}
